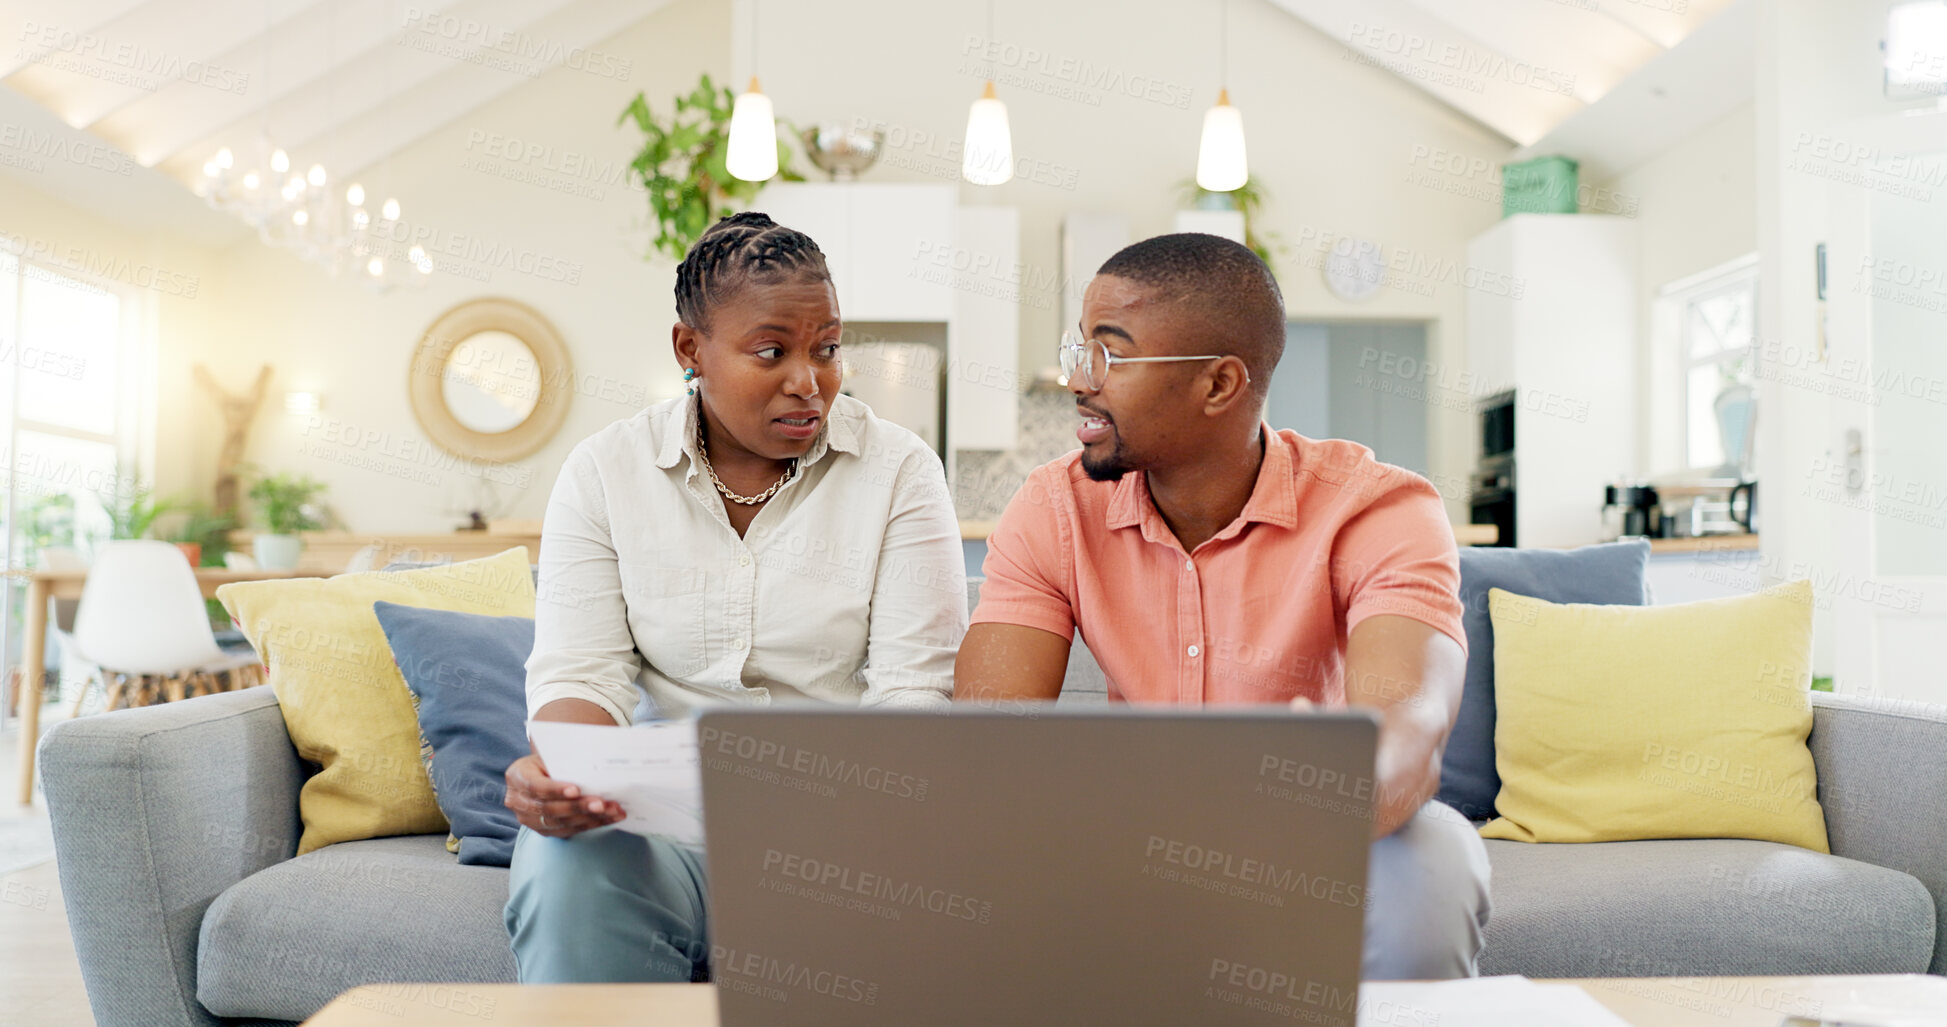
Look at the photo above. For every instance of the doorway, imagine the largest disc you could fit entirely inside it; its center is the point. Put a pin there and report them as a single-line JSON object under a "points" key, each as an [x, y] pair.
{"points": [[1355, 380]]}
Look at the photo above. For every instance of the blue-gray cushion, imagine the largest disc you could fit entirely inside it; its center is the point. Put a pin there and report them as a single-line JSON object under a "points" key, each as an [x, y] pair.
{"points": [[1700, 907], [1609, 574], [468, 672], [283, 942]]}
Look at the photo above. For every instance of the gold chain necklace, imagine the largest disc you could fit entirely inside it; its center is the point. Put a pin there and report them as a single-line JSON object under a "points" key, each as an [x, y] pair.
{"points": [[704, 452]]}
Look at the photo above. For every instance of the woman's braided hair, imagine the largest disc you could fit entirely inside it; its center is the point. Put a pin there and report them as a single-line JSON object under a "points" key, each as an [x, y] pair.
{"points": [[738, 250]]}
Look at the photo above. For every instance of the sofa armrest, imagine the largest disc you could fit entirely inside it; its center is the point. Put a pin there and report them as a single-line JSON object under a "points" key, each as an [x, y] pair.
{"points": [[155, 812], [1882, 767]]}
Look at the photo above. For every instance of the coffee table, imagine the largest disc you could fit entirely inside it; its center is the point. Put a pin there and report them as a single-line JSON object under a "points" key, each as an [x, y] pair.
{"points": [[1642, 1001]]}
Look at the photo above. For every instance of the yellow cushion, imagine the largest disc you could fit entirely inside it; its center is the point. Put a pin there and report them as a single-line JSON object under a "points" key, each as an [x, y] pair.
{"points": [[1688, 721], [344, 702]]}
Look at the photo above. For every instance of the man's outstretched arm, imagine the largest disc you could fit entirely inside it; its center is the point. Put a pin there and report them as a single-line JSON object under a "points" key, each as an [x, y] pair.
{"points": [[1008, 662], [1411, 675]]}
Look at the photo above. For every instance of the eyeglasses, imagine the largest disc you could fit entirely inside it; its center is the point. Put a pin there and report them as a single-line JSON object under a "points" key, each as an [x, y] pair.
{"points": [[1093, 360]]}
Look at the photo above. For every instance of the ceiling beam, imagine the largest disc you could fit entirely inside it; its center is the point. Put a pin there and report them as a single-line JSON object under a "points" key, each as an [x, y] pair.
{"points": [[203, 52], [389, 99], [1581, 45], [1664, 102], [65, 26], [1516, 100], [295, 56]]}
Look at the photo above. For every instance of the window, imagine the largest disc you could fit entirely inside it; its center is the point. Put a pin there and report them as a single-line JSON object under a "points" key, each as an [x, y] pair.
{"points": [[1915, 50], [1716, 319], [67, 441]]}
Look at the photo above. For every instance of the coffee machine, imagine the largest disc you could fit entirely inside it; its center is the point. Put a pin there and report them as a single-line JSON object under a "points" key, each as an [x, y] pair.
{"points": [[1631, 510], [1679, 508], [1709, 506]]}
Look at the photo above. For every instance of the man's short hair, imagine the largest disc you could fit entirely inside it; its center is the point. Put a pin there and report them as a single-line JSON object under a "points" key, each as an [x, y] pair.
{"points": [[1222, 284]]}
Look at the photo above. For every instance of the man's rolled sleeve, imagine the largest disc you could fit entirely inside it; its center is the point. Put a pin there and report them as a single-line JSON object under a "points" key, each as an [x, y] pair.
{"points": [[1397, 557], [1027, 570], [583, 648]]}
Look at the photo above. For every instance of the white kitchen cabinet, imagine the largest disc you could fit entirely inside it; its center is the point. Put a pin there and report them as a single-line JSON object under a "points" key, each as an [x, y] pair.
{"points": [[900, 233], [1551, 314], [908, 253], [826, 216], [884, 243], [984, 359]]}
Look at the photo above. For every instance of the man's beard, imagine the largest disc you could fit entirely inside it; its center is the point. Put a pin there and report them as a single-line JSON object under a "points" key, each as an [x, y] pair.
{"points": [[1109, 468]]}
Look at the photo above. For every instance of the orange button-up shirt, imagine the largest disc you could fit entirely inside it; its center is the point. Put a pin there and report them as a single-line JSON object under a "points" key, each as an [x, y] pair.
{"points": [[1261, 611]]}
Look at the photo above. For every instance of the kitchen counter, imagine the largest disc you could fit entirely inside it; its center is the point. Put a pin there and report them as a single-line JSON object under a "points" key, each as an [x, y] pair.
{"points": [[1703, 544]]}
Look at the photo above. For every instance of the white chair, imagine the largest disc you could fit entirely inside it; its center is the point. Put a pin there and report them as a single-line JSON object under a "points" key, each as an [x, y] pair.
{"points": [[366, 559], [142, 617]]}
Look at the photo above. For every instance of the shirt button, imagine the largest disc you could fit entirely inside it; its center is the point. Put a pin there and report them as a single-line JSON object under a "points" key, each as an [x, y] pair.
{"points": [[743, 560], [1189, 565], [736, 643], [1194, 651]]}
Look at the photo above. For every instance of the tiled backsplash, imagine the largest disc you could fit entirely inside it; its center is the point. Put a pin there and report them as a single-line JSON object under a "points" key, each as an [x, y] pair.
{"points": [[986, 479]]}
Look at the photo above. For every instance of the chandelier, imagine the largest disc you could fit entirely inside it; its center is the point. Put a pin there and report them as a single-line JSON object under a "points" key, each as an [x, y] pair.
{"points": [[305, 214]]}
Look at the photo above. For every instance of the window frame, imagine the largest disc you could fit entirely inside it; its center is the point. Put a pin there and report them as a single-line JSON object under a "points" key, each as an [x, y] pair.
{"points": [[124, 436], [1675, 301]]}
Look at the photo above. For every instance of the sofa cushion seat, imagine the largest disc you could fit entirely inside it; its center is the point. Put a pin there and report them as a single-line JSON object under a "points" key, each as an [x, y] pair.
{"points": [[1700, 907], [285, 941]]}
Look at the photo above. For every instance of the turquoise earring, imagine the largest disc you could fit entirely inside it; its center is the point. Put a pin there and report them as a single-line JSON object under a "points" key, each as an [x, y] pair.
{"points": [[689, 376]]}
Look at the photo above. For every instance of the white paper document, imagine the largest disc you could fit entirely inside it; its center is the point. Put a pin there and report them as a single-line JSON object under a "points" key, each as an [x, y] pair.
{"points": [[1481, 1002], [651, 769]]}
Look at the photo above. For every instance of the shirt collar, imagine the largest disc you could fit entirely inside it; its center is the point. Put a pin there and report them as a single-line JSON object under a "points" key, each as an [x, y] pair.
{"points": [[1274, 499], [840, 432]]}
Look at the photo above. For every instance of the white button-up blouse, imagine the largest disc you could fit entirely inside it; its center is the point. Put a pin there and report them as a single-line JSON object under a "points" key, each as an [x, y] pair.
{"points": [[848, 587]]}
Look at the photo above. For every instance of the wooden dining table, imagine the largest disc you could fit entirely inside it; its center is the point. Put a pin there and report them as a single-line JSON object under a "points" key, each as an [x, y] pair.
{"points": [[43, 585]]}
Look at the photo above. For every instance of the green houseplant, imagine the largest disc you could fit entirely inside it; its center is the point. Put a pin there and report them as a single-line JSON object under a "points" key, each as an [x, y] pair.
{"points": [[1249, 199], [287, 504], [681, 165], [132, 512], [137, 512], [47, 521], [203, 534]]}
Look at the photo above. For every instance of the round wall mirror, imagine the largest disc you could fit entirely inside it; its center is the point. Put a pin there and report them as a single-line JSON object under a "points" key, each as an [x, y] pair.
{"points": [[491, 380]]}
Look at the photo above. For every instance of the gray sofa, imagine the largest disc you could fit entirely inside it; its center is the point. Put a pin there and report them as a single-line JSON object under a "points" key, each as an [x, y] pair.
{"points": [[175, 828]]}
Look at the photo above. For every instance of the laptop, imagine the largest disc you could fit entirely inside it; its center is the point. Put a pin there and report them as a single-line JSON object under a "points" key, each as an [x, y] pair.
{"points": [[1127, 865]]}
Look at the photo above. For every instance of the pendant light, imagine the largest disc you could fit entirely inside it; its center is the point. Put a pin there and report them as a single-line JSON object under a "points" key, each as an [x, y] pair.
{"points": [[987, 156], [752, 153], [1221, 166]]}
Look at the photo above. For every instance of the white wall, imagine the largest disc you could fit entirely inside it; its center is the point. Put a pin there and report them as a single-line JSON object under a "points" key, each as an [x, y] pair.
{"points": [[1819, 87], [1340, 147], [550, 230], [1696, 208]]}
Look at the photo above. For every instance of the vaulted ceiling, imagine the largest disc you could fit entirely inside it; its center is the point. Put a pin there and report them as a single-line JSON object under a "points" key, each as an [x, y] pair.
{"points": [[1520, 67], [347, 82]]}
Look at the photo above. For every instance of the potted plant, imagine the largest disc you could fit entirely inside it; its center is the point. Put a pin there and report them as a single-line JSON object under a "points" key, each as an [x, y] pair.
{"points": [[202, 534], [288, 505], [681, 164], [138, 513]]}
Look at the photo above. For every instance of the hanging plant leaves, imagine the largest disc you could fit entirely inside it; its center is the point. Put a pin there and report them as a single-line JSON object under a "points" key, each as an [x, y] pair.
{"points": [[680, 164]]}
